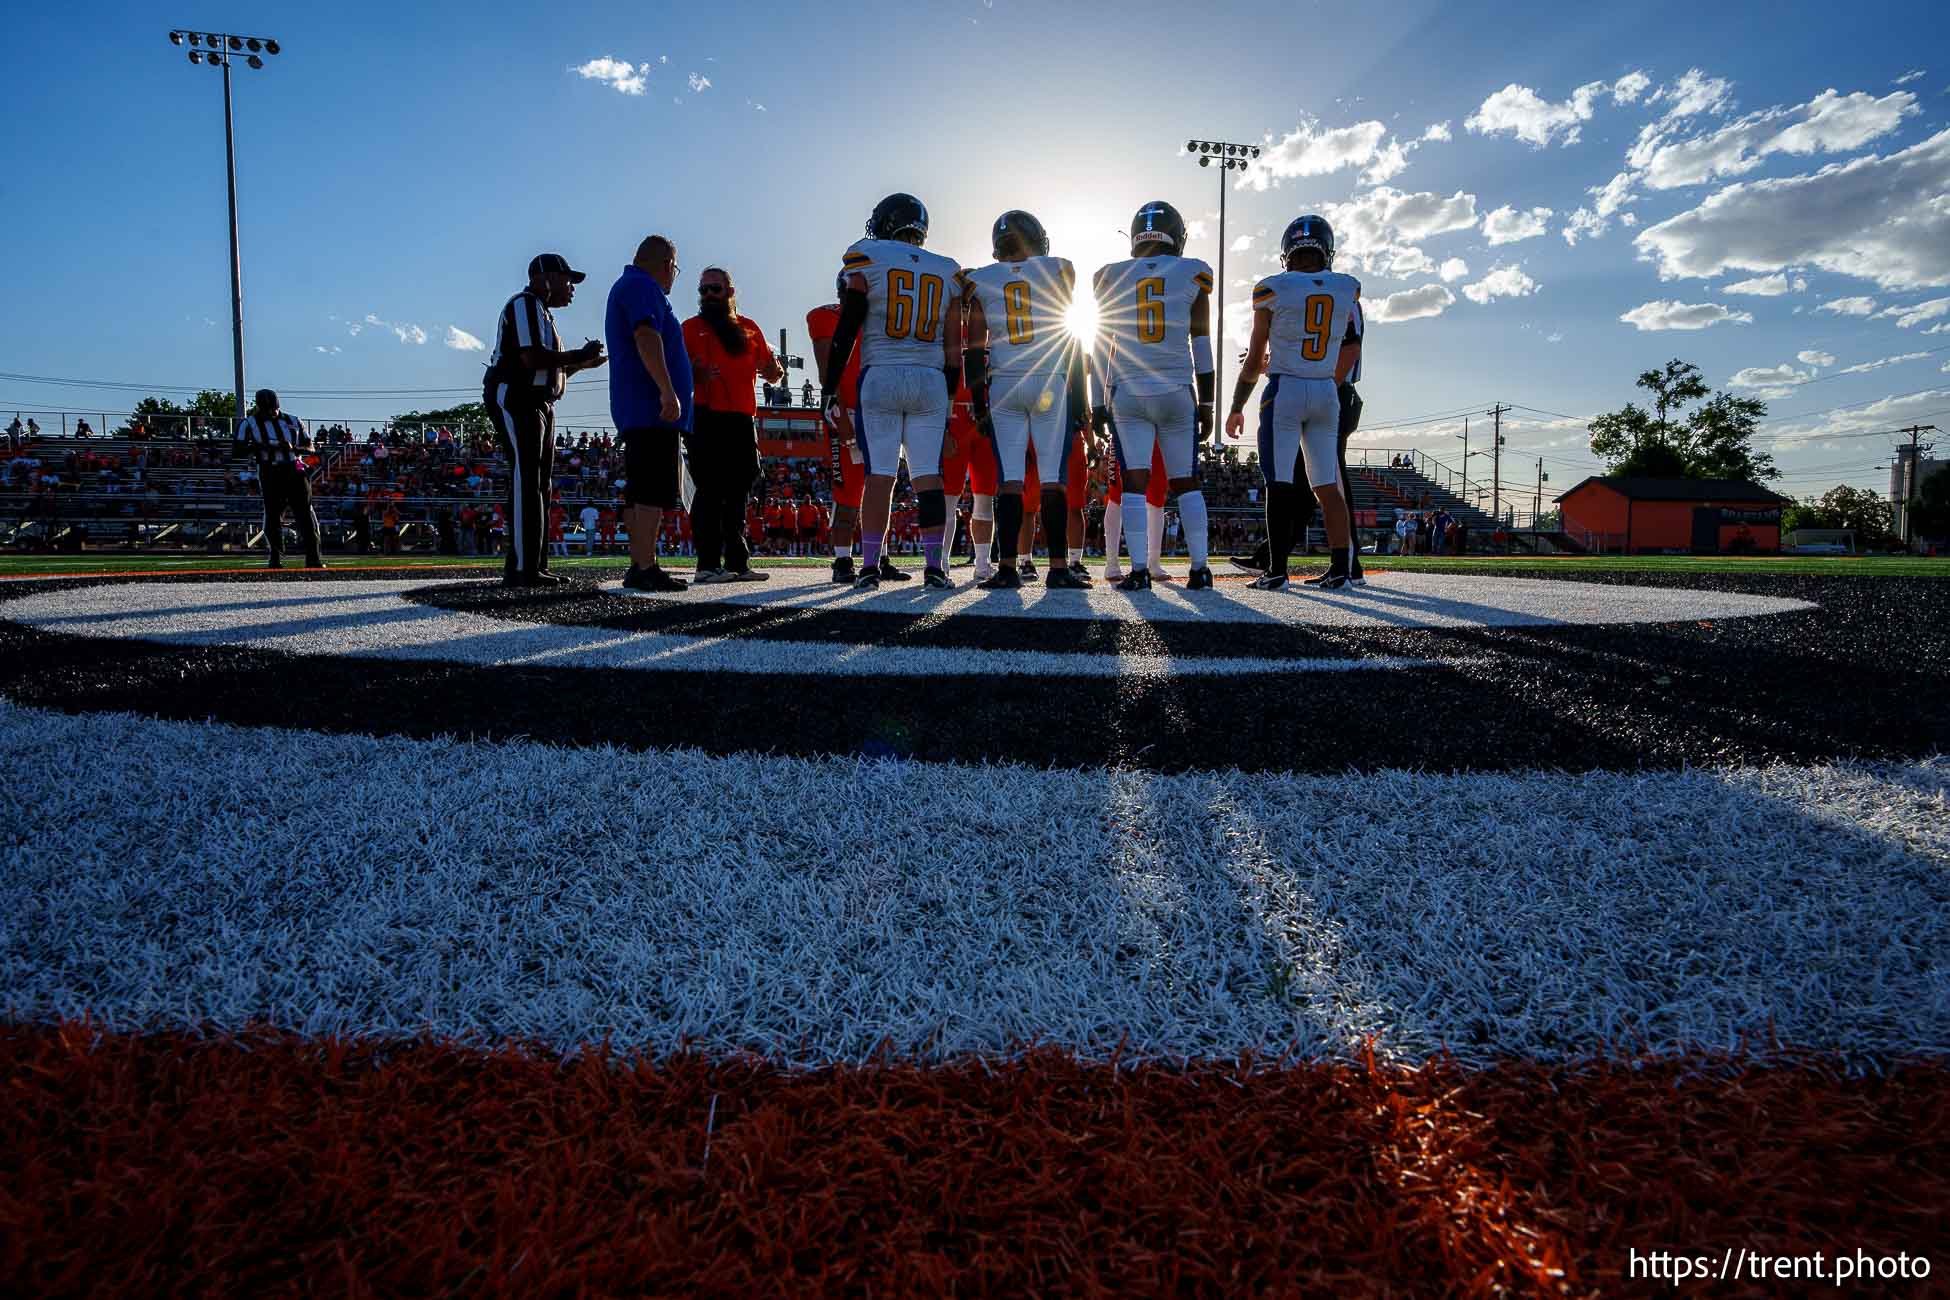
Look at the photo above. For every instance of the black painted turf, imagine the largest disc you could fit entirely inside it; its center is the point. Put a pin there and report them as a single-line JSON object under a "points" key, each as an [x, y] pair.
{"points": [[1859, 677]]}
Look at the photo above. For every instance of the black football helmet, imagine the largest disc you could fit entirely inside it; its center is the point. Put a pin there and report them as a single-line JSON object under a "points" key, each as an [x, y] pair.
{"points": [[896, 215], [1157, 222], [1017, 234], [1308, 232]]}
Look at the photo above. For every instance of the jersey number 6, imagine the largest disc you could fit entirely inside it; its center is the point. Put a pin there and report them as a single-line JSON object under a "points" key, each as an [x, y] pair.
{"points": [[1151, 310], [903, 318]]}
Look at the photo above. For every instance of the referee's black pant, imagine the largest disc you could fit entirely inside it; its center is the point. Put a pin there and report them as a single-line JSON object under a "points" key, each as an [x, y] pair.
{"points": [[528, 430], [284, 488], [724, 465]]}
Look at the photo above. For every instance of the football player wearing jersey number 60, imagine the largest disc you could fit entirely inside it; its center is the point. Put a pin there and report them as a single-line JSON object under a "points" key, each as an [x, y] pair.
{"points": [[1307, 333]]}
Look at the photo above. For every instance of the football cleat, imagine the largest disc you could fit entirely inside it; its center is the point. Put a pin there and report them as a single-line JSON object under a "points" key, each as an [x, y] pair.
{"points": [[1136, 580], [1026, 569], [1270, 582], [1331, 581], [1309, 232], [843, 568], [892, 572], [897, 215], [937, 580], [1064, 579], [1157, 228], [1018, 235], [1003, 579], [1200, 579], [869, 580]]}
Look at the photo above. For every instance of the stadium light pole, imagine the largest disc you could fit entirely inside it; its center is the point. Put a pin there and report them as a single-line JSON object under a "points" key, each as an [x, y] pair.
{"points": [[1231, 157], [216, 49]]}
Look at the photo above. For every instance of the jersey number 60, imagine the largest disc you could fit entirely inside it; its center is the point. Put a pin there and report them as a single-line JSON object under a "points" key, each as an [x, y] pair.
{"points": [[903, 318]]}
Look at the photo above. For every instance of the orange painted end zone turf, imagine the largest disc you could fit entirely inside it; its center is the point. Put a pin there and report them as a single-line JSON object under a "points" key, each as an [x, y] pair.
{"points": [[158, 1164]]}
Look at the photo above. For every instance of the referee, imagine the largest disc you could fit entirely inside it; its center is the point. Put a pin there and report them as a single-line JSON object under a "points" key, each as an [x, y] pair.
{"points": [[278, 440], [525, 377]]}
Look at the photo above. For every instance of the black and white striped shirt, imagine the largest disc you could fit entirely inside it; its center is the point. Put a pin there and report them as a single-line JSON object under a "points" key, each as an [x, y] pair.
{"points": [[526, 323], [276, 441]]}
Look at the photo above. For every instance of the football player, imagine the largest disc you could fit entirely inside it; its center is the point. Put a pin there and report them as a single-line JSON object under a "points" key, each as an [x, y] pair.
{"points": [[1154, 310], [848, 465], [1025, 373], [968, 461], [899, 304], [1307, 335], [1350, 421]]}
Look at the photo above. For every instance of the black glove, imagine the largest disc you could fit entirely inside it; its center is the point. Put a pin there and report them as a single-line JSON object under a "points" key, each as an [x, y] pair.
{"points": [[1099, 419], [1205, 420]]}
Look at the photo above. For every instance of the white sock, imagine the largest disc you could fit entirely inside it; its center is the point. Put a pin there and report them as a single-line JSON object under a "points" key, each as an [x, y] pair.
{"points": [[1113, 531], [1191, 513], [1137, 528], [1154, 538]]}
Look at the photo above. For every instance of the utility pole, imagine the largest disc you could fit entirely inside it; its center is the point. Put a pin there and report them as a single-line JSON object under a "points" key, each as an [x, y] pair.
{"points": [[1471, 500], [1496, 463], [1537, 502], [1909, 480]]}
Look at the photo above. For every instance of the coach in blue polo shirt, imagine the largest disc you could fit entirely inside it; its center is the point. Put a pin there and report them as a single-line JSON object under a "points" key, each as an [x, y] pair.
{"points": [[650, 401]]}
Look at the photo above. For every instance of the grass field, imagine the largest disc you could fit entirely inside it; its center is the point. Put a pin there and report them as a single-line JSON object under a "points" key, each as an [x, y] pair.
{"points": [[40, 566]]}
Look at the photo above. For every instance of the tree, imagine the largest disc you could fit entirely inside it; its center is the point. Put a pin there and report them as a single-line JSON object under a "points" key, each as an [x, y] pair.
{"points": [[468, 417], [1849, 507], [1715, 441]]}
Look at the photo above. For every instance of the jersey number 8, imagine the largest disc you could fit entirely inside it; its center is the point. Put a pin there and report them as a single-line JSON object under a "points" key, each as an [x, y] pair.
{"points": [[1015, 303], [913, 309], [1320, 315], [1151, 310]]}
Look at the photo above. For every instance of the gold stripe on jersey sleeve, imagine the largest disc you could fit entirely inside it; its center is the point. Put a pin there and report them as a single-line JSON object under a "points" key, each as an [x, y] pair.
{"points": [[1262, 296], [854, 261], [1203, 281]]}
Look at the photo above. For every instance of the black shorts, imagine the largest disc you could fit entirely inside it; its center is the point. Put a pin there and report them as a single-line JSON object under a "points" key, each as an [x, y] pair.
{"points": [[650, 474]]}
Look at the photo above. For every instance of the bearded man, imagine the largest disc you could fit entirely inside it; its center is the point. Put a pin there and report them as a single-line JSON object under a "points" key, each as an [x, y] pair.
{"points": [[728, 355]]}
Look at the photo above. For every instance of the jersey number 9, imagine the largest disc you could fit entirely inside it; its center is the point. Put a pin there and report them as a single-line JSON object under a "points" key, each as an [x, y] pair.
{"points": [[1319, 316], [1151, 310], [1015, 303], [913, 305]]}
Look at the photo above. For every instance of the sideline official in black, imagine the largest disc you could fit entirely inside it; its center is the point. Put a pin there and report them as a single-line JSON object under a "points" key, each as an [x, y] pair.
{"points": [[278, 441], [525, 377]]}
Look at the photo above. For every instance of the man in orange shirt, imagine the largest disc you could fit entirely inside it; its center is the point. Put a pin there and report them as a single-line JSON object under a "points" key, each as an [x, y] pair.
{"points": [[728, 355]]}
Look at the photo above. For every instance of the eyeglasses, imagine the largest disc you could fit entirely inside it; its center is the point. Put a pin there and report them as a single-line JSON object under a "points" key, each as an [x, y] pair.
{"points": [[711, 288]]}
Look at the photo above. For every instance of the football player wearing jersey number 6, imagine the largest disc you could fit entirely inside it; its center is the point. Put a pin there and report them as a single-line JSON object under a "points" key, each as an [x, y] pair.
{"points": [[1307, 333]]}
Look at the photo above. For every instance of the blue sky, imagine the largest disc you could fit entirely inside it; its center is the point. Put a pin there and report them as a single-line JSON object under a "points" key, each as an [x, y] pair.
{"points": [[1767, 174]]}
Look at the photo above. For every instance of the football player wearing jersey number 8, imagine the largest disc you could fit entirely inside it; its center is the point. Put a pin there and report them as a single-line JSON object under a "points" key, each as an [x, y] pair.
{"points": [[1307, 334]]}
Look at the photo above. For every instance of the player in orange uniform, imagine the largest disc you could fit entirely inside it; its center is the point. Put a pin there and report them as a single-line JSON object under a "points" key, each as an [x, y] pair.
{"points": [[1154, 498], [848, 466], [968, 460]]}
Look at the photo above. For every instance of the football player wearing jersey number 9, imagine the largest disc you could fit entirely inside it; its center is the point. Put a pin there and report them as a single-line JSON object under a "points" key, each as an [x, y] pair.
{"points": [[1307, 334], [898, 302]]}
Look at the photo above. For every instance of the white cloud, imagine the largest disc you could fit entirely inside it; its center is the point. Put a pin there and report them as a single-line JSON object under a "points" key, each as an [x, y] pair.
{"points": [[1606, 199], [1389, 162], [1771, 381], [1629, 87], [461, 341], [1454, 269], [1410, 304], [1195, 230], [1666, 314], [1501, 282], [1828, 123], [1524, 113], [699, 84], [1378, 230], [1437, 131], [1876, 415], [1628, 220], [1309, 151], [1767, 286], [1507, 225], [1916, 74], [1612, 195], [1880, 218], [1864, 367], [1851, 306], [1241, 244], [619, 74], [327, 349], [1582, 224], [405, 332], [1922, 311], [1813, 357], [1693, 93]]}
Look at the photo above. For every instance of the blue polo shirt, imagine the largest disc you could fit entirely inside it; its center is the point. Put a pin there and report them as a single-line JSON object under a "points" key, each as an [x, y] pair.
{"points": [[635, 401]]}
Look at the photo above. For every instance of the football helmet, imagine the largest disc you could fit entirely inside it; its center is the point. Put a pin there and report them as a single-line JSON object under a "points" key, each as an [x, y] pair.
{"points": [[1018, 234], [897, 214], [1157, 222], [1308, 232]]}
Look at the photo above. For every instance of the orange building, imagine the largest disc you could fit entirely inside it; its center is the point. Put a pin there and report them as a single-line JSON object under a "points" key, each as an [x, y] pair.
{"points": [[1698, 516]]}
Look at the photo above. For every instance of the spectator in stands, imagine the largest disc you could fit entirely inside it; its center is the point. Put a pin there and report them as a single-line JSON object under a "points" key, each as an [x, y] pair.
{"points": [[729, 355], [589, 517], [16, 434], [1404, 530]]}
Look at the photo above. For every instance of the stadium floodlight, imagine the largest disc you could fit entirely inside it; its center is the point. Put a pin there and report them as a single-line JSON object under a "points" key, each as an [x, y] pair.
{"points": [[1232, 157], [215, 49]]}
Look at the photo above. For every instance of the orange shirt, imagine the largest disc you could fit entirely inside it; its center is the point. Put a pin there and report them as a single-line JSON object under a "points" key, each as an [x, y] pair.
{"points": [[821, 323], [733, 390]]}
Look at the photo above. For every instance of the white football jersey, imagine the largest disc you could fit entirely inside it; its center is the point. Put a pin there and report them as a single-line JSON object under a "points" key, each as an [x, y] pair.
{"points": [[910, 292], [1313, 314], [1027, 306], [1144, 310]]}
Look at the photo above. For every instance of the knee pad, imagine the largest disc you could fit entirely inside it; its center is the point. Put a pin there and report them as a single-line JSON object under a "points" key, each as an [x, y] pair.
{"points": [[932, 506], [984, 508]]}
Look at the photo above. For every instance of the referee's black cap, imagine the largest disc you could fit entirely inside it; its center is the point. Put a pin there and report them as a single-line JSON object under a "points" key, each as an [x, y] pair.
{"points": [[555, 263], [266, 398]]}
